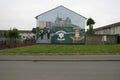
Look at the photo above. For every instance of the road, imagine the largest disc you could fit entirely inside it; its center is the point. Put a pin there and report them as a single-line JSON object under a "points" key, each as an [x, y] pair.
{"points": [[56, 70]]}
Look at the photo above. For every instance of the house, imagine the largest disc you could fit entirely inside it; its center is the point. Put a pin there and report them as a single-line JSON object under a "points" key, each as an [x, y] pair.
{"points": [[2, 33], [111, 29], [60, 25], [109, 33], [27, 34]]}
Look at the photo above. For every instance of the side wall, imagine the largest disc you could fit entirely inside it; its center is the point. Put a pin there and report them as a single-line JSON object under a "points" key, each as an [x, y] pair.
{"points": [[112, 30], [102, 39]]}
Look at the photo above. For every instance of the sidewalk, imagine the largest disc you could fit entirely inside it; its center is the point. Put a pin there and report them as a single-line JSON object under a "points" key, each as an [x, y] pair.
{"points": [[60, 58]]}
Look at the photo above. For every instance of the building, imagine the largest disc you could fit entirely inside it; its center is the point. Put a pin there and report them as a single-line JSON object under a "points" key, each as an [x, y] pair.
{"points": [[111, 29], [2, 33], [27, 34], [109, 33], [60, 25]]}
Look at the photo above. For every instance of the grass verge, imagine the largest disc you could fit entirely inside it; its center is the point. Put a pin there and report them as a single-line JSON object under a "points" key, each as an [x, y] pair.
{"points": [[63, 50]]}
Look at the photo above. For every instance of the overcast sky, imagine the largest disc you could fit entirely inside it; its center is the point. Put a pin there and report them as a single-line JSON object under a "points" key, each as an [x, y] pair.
{"points": [[21, 13]]}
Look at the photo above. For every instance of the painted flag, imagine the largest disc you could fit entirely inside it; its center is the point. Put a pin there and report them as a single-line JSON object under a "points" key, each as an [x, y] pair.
{"points": [[48, 24], [41, 24]]}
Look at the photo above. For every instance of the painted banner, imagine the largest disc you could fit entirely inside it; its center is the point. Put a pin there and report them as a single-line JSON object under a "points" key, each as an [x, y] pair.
{"points": [[48, 24], [41, 24]]}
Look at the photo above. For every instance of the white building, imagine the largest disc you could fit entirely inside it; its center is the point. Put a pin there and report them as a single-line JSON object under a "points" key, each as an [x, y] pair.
{"points": [[27, 34], [109, 29]]}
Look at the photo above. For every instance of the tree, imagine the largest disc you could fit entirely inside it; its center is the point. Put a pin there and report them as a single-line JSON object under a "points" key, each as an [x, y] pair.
{"points": [[34, 30], [15, 33], [6, 34], [90, 23], [12, 34]]}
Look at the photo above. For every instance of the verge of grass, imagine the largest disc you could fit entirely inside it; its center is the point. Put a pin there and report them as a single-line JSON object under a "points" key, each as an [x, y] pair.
{"points": [[63, 50]]}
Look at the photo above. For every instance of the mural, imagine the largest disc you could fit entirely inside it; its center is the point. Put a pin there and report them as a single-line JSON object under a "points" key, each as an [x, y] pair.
{"points": [[57, 28]]}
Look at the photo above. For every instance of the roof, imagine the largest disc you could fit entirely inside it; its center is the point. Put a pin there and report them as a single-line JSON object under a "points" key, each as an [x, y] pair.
{"points": [[108, 26], [58, 7]]}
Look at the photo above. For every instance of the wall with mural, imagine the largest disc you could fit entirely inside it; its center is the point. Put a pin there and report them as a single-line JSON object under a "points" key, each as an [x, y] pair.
{"points": [[60, 25]]}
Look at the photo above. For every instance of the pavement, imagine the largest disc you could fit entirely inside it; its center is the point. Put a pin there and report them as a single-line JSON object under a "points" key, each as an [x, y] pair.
{"points": [[60, 58]]}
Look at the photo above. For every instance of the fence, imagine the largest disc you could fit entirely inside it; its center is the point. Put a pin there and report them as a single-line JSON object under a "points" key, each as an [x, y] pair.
{"points": [[102, 39], [12, 43], [90, 39]]}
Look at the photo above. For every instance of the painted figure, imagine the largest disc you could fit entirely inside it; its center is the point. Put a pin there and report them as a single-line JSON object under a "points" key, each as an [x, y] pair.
{"points": [[77, 34], [48, 34], [41, 34]]}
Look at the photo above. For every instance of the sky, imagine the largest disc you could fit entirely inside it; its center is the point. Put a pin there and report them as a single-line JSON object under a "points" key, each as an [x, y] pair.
{"points": [[21, 14]]}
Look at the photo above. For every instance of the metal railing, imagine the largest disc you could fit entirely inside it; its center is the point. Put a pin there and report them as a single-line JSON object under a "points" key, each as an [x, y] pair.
{"points": [[12, 42]]}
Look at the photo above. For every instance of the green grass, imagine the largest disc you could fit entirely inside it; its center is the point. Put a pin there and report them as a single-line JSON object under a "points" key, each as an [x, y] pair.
{"points": [[63, 50]]}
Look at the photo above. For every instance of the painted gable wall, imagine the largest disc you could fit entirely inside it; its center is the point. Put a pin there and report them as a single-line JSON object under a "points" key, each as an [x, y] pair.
{"points": [[60, 25], [62, 12]]}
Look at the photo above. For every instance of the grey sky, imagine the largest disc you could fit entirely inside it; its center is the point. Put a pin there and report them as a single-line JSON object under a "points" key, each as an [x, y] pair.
{"points": [[21, 13]]}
